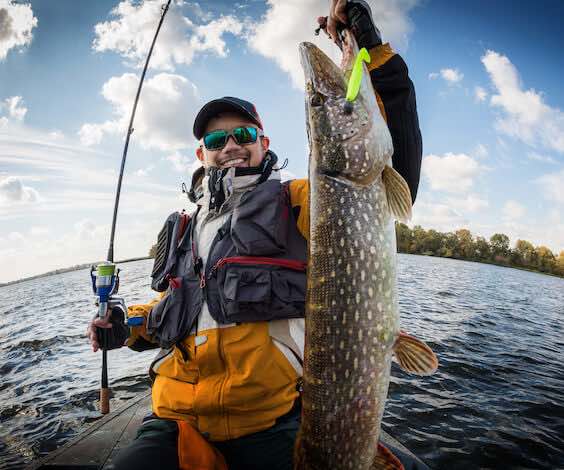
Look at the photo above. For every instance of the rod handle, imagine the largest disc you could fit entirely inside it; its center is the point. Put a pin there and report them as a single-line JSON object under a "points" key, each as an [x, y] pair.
{"points": [[104, 401]]}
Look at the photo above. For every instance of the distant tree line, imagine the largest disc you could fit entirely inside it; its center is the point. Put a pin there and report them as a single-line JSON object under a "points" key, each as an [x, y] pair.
{"points": [[462, 245]]}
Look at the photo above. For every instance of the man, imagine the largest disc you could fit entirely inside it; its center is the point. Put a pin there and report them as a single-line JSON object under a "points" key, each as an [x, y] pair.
{"points": [[231, 323]]}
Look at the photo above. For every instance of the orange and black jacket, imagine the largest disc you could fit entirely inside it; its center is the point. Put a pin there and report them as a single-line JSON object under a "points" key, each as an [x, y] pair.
{"points": [[235, 380]]}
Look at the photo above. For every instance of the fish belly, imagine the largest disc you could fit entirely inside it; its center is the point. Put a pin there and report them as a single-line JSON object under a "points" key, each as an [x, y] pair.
{"points": [[351, 324]]}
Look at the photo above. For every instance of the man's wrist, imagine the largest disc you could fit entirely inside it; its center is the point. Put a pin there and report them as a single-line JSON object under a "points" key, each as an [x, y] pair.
{"points": [[359, 18]]}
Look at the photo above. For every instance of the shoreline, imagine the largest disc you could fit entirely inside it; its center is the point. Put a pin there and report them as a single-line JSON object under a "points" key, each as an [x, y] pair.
{"points": [[77, 267], [491, 263]]}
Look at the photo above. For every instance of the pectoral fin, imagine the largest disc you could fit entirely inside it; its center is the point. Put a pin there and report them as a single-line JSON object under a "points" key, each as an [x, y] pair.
{"points": [[398, 194], [415, 356], [385, 460]]}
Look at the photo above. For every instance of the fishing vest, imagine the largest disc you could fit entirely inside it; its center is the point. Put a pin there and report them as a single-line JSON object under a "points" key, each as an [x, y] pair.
{"points": [[255, 270]]}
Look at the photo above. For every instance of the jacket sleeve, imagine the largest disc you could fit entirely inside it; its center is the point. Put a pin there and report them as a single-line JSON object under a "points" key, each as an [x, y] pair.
{"points": [[396, 95], [138, 339], [299, 199]]}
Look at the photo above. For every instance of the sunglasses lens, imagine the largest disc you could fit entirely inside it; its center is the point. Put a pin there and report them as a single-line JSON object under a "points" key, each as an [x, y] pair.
{"points": [[215, 140], [245, 135]]}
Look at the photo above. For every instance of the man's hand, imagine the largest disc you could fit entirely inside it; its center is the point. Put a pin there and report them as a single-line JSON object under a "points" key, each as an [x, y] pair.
{"points": [[354, 15], [117, 331], [92, 332], [337, 19]]}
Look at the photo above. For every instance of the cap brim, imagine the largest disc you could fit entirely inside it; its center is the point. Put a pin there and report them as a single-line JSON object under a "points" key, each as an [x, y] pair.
{"points": [[215, 107]]}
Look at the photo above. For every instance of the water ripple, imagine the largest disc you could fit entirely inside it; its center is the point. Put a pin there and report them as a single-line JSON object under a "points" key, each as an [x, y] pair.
{"points": [[496, 398]]}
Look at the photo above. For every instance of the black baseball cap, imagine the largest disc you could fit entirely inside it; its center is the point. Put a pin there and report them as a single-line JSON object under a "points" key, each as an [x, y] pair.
{"points": [[222, 105]]}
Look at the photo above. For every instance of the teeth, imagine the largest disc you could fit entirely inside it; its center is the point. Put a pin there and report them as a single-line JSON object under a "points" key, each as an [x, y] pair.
{"points": [[234, 162]]}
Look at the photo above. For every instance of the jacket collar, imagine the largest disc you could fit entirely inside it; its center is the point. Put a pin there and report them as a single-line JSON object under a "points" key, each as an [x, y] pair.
{"points": [[234, 186]]}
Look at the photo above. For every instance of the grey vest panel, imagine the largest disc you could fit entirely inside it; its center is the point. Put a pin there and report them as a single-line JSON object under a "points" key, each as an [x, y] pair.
{"points": [[255, 270]]}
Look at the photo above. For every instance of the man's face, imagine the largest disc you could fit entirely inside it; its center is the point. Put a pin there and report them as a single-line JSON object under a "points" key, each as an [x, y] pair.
{"points": [[233, 154]]}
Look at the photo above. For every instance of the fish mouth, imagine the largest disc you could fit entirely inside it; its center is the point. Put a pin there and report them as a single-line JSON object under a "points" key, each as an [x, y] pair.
{"points": [[322, 75]]}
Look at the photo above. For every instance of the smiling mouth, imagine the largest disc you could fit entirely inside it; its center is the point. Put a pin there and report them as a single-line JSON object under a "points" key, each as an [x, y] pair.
{"points": [[234, 162]]}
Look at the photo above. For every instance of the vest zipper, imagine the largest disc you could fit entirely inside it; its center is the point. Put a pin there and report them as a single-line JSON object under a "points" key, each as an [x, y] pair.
{"points": [[258, 260]]}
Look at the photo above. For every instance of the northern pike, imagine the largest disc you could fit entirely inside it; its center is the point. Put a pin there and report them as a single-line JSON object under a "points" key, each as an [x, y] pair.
{"points": [[352, 316]]}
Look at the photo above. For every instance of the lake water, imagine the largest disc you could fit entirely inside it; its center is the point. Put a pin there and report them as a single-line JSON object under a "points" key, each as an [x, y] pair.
{"points": [[497, 400]]}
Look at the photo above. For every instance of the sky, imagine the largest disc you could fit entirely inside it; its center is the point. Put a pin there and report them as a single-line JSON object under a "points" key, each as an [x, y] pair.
{"points": [[488, 78]]}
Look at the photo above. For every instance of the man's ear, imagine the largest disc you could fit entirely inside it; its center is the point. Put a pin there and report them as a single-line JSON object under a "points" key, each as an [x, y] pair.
{"points": [[265, 142], [200, 153]]}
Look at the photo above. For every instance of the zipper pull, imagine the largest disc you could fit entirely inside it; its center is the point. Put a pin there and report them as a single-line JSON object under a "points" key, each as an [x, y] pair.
{"points": [[213, 270]]}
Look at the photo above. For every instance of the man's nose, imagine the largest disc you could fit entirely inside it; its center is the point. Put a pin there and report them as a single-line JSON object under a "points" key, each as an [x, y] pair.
{"points": [[231, 144]]}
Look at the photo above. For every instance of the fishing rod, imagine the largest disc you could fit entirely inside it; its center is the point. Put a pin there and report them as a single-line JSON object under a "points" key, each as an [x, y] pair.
{"points": [[105, 277]]}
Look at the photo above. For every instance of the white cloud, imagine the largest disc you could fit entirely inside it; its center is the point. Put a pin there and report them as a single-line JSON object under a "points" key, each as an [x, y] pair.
{"points": [[16, 25], [480, 94], [439, 216], [471, 203], [453, 173], [144, 171], [85, 229], [289, 22], [131, 33], [12, 190], [452, 76], [552, 186], [157, 124], [524, 115], [66, 172], [513, 211], [481, 151], [56, 135], [14, 108], [39, 231], [196, 9], [81, 241], [541, 158], [183, 164], [209, 37]]}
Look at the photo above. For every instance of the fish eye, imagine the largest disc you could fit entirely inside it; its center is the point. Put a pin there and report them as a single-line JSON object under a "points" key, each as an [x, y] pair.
{"points": [[316, 100]]}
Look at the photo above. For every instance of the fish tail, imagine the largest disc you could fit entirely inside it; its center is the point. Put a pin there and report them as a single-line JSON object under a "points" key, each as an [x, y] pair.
{"points": [[386, 460]]}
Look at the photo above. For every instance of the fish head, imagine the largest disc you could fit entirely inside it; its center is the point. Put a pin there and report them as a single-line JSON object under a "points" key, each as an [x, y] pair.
{"points": [[352, 145]]}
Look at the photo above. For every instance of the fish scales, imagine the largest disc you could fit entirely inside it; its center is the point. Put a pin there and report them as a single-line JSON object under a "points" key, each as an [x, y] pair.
{"points": [[352, 316]]}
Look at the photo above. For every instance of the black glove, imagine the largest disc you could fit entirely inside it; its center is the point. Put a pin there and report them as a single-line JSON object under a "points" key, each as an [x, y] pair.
{"points": [[362, 26], [114, 337]]}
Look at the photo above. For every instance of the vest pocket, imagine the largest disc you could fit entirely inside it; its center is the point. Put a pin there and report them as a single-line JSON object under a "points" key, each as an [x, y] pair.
{"points": [[260, 289], [167, 322], [245, 289]]}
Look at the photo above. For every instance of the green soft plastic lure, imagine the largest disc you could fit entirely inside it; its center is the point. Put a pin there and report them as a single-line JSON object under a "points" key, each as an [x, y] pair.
{"points": [[356, 77]]}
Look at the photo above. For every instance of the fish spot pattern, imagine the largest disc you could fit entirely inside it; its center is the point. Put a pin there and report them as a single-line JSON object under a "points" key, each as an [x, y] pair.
{"points": [[350, 332]]}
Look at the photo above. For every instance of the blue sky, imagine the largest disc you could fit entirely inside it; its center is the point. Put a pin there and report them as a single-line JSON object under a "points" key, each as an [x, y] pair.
{"points": [[487, 75]]}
